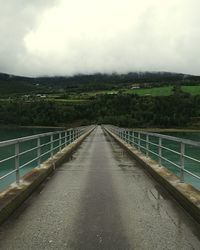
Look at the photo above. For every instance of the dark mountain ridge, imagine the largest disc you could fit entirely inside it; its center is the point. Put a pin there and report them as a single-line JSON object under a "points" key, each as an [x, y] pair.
{"points": [[21, 84]]}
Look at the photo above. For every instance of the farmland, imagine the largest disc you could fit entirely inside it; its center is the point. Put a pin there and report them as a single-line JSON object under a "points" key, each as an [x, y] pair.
{"points": [[117, 99], [154, 91], [163, 91]]}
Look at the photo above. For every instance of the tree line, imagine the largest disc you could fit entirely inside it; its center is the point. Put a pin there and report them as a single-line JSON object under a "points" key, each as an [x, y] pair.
{"points": [[178, 110]]}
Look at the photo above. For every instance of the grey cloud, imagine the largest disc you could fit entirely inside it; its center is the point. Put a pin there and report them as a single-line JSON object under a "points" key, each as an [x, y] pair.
{"points": [[160, 38], [17, 18]]}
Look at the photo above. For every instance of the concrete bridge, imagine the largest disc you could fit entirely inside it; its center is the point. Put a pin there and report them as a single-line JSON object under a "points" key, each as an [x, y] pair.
{"points": [[101, 198]]}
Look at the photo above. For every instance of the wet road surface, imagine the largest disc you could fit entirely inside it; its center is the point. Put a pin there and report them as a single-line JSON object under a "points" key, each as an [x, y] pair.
{"points": [[100, 199]]}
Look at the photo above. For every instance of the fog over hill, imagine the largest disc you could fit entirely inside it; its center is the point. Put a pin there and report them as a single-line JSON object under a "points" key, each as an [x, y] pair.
{"points": [[20, 84], [98, 78]]}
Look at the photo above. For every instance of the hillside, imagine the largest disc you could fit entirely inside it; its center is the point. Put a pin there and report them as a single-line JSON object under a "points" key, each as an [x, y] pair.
{"points": [[10, 84]]}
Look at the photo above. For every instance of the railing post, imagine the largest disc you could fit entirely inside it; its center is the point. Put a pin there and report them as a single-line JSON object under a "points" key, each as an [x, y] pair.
{"points": [[38, 151], [147, 145], [65, 138], [130, 137], [70, 136], [17, 162], [52, 146], [139, 140], [160, 152], [182, 161], [74, 134], [60, 141], [133, 139]]}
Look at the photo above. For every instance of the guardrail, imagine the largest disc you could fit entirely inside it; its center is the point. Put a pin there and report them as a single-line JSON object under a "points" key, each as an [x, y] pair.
{"points": [[182, 154], [19, 156]]}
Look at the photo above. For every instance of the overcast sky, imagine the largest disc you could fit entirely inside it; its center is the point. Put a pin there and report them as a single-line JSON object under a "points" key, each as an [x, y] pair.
{"points": [[65, 37]]}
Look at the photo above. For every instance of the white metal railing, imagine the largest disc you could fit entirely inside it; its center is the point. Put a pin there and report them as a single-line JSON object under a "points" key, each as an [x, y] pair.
{"points": [[38, 146], [141, 141]]}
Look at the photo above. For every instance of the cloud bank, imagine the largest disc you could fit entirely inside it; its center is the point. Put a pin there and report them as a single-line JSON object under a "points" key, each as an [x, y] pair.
{"points": [[66, 37]]}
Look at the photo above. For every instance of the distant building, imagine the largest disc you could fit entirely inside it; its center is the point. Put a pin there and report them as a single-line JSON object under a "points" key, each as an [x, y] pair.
{"points": [[26, 96], [41, 96], [135, 86]]}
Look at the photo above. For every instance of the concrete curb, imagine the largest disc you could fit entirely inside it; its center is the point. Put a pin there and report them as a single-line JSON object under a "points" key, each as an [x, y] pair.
{"points": [[14, 196], [185, 194]]}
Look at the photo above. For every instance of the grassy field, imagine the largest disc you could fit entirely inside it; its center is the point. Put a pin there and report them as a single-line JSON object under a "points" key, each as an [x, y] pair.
{"points": [[101, 92], [193, 90], [78, 98], [159, 91], [66, 100], [163, 91]]}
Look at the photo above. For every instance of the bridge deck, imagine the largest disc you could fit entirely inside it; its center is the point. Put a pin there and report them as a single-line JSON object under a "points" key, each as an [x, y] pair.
{"points": [[100, 199]]}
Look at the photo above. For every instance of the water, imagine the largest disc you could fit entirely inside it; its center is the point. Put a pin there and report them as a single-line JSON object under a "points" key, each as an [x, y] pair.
{"points": [[8, 151], [191, 151], [195, 136], [16, 132]]}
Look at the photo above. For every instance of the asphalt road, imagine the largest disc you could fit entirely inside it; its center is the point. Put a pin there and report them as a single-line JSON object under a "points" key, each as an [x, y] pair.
{"points": [[100, 199]]}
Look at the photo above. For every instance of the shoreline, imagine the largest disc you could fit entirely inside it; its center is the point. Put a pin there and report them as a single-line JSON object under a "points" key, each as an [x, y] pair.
{"points": [[192, 130], [61, 127], [169, 130], [19, 126]]}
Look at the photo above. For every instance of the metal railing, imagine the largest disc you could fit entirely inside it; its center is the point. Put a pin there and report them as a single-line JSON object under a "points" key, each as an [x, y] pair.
{"points": [[29, 152], [183, 154]]}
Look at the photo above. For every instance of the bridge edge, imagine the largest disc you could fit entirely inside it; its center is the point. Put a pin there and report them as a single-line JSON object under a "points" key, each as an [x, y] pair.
{"points": [[13, 197], [180, 191]]}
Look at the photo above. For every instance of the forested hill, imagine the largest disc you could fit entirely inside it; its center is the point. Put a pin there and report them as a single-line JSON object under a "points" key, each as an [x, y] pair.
{"points": [[74, 100], [18, 84]]}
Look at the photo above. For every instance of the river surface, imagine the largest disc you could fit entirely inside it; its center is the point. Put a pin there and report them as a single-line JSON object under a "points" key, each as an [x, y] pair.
{"points": [[12, 132]]}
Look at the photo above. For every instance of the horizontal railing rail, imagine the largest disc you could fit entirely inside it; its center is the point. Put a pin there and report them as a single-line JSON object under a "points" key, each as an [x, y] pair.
{"points": [[17, 154], [144, 140]]}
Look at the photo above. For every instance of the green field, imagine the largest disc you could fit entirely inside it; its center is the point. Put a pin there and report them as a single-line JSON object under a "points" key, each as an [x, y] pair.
{"points": [[156, 91], [101, 92], [84, 97], [67, 100], [159, 91], [193, 90], [163, 91]]}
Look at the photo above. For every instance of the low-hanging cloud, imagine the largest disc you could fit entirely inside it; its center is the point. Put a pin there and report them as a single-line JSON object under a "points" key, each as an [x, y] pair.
{"points": [[66, 37]]}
